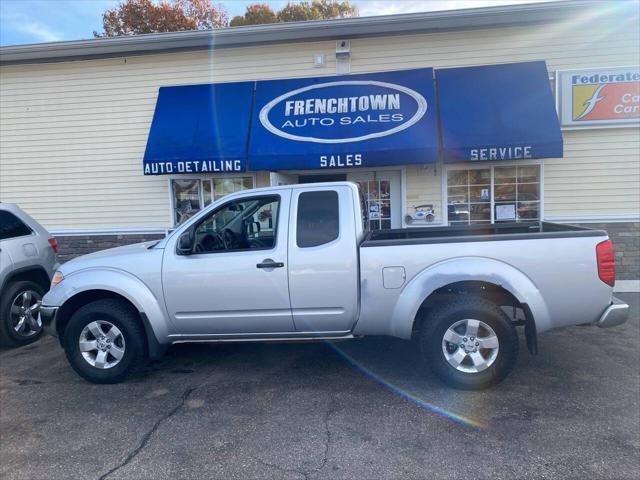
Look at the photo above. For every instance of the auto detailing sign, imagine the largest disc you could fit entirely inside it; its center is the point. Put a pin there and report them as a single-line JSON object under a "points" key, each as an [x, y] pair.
{"points": [[354, 121], [599, 97]]}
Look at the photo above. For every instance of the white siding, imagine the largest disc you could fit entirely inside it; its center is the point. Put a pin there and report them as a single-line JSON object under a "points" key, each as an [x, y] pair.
{"points": [[72, 135]]}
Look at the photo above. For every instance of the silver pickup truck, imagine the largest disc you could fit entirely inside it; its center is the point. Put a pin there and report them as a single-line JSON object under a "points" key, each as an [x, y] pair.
{"points": [[297, 263]]}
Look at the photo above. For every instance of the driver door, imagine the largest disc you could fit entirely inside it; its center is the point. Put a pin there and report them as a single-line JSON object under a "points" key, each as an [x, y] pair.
{"points": [[235, 281]]}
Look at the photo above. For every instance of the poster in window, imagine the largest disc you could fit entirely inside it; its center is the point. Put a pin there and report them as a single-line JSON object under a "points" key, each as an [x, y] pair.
{"points": [[506, 212]]}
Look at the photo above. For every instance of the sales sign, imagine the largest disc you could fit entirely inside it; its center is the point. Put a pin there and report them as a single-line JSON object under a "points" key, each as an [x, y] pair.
{"points": [[599, 97]]}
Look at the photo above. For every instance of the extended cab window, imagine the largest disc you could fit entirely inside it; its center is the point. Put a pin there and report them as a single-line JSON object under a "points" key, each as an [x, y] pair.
{"points": [[11, 226], [318, 218], [247, 224]]}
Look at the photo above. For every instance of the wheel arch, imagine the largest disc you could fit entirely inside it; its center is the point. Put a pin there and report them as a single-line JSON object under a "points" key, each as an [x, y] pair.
{"points": [[86, 286], [34, 273], [153, 349], [487, 276]]}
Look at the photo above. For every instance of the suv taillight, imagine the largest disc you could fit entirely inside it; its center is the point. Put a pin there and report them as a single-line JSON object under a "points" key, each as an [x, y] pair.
{"points": [[54, 244], [606, 262]]}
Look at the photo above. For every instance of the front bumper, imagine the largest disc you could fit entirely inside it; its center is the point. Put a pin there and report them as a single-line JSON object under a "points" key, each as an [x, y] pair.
{"points": [[48, 318], [615, 314]]}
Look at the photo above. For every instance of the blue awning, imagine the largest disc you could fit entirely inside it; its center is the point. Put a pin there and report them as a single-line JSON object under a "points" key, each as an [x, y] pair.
{"points": [[497, 112], [349, 121], [199, 128]]}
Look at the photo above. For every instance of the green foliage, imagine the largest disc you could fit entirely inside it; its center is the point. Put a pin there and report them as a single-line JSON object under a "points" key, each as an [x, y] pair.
{"points": [[255, 14], [317, 10], [259, 13]]}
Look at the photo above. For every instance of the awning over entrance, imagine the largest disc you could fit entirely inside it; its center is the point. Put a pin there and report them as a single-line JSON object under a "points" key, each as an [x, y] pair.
{"points": [[199, 129], [497, 112], [342, 122]]}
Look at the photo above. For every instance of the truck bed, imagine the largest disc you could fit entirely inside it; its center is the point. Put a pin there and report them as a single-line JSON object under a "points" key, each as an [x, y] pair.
{"points": [[476, 233]]}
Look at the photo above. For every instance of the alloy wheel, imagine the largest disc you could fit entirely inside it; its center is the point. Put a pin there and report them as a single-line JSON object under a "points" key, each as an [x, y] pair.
{"points": [[470, 346], [102, 344], [25, 308]]}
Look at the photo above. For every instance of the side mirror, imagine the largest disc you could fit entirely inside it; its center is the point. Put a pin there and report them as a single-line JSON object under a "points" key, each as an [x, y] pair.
{"points": [[185, 243]]}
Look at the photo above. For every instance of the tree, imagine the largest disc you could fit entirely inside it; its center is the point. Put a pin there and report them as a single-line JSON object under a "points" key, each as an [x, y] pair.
{"points": [[317, 10], [134, 17], [255, 14]]}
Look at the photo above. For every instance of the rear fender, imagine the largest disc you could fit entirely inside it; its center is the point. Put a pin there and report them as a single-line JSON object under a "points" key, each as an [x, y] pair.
{"points": [[462, 269], [119, 282]]}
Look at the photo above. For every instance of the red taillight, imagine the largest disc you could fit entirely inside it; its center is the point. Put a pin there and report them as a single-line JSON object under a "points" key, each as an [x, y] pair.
{"points": [[606, 262], [54, 244]]}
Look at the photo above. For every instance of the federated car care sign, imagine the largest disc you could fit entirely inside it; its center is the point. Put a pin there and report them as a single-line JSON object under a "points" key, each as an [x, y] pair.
{"points": [[599, 97], [344, 122]]}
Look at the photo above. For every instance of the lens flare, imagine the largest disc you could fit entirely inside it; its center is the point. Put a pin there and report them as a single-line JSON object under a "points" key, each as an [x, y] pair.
{"points": [[411, 397]]}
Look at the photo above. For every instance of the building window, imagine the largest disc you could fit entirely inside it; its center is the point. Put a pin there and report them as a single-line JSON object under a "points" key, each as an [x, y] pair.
{"points": [[517, 193], [468, 196], [225, 186], [190, 195], [493, 194]]}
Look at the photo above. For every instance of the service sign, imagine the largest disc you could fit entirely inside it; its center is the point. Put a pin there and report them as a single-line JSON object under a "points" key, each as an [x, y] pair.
{"points": [[344, 122], [599, 97]]}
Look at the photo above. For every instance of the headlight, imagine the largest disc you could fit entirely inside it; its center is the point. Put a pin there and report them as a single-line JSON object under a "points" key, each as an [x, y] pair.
{"points": [[57, 278]]}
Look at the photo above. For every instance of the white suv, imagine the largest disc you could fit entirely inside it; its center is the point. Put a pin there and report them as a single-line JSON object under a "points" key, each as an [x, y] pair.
{"points": [[27, 263]]}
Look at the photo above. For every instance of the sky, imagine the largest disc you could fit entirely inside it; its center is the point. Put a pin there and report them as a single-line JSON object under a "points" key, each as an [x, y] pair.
{"points": [[36, 21]]}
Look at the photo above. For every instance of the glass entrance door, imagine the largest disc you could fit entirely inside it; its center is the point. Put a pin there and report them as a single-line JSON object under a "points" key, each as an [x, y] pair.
{"points": [[381, 191]]}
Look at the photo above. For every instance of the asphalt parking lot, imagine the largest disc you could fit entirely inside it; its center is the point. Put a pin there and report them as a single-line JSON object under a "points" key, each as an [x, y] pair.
{"points": [[362, 409]]}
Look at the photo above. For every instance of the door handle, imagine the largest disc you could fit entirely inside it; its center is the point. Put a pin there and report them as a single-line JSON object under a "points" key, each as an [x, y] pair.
{"points": [[268, 263]]}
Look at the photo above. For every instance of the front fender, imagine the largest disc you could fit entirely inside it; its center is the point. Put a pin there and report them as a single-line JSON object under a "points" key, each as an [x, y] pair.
{"points": [[119, 282], [478, 269]]}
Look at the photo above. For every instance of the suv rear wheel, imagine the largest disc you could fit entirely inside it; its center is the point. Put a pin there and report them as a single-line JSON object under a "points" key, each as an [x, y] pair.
{"points": [[104, 341], [19, 308], [469, 343]]}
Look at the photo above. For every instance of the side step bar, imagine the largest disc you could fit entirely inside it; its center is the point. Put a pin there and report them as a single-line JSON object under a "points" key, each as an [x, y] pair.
{"points": [[264, 339]]}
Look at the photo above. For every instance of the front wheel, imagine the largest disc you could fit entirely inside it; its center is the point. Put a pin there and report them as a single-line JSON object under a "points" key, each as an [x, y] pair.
{"points": [[104, 341], [469, 343]]}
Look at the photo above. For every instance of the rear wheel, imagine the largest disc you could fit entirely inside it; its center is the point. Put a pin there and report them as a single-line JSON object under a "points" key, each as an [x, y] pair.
{"points": [[19, 310], [469, 343], [104, 341]]}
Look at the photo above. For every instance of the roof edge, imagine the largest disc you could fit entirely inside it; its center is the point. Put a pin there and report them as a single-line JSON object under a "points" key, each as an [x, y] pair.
{"points": [[347, 28]]}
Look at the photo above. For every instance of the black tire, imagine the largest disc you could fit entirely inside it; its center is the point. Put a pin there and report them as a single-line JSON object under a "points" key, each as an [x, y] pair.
{"points": [[126, 320], [438, 321], [9, 337]]}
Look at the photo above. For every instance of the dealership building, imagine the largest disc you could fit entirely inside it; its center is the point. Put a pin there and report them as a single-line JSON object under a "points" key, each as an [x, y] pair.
{"points": [[504, 114]]}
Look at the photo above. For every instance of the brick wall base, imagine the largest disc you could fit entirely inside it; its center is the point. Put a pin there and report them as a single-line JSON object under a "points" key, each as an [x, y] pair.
{"points": [[74, 246], [626, 245], [625, 237]]}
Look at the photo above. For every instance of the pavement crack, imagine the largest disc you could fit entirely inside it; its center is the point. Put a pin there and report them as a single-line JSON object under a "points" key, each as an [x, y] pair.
{"points": [[145, 439], [325, 456]]}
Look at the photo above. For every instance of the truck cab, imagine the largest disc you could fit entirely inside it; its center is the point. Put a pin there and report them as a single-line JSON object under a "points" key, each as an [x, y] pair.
{"points": [[279, 262]]}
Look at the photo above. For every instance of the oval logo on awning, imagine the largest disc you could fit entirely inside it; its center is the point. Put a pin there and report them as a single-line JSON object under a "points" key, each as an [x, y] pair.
{"points": [[343, 112]]}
